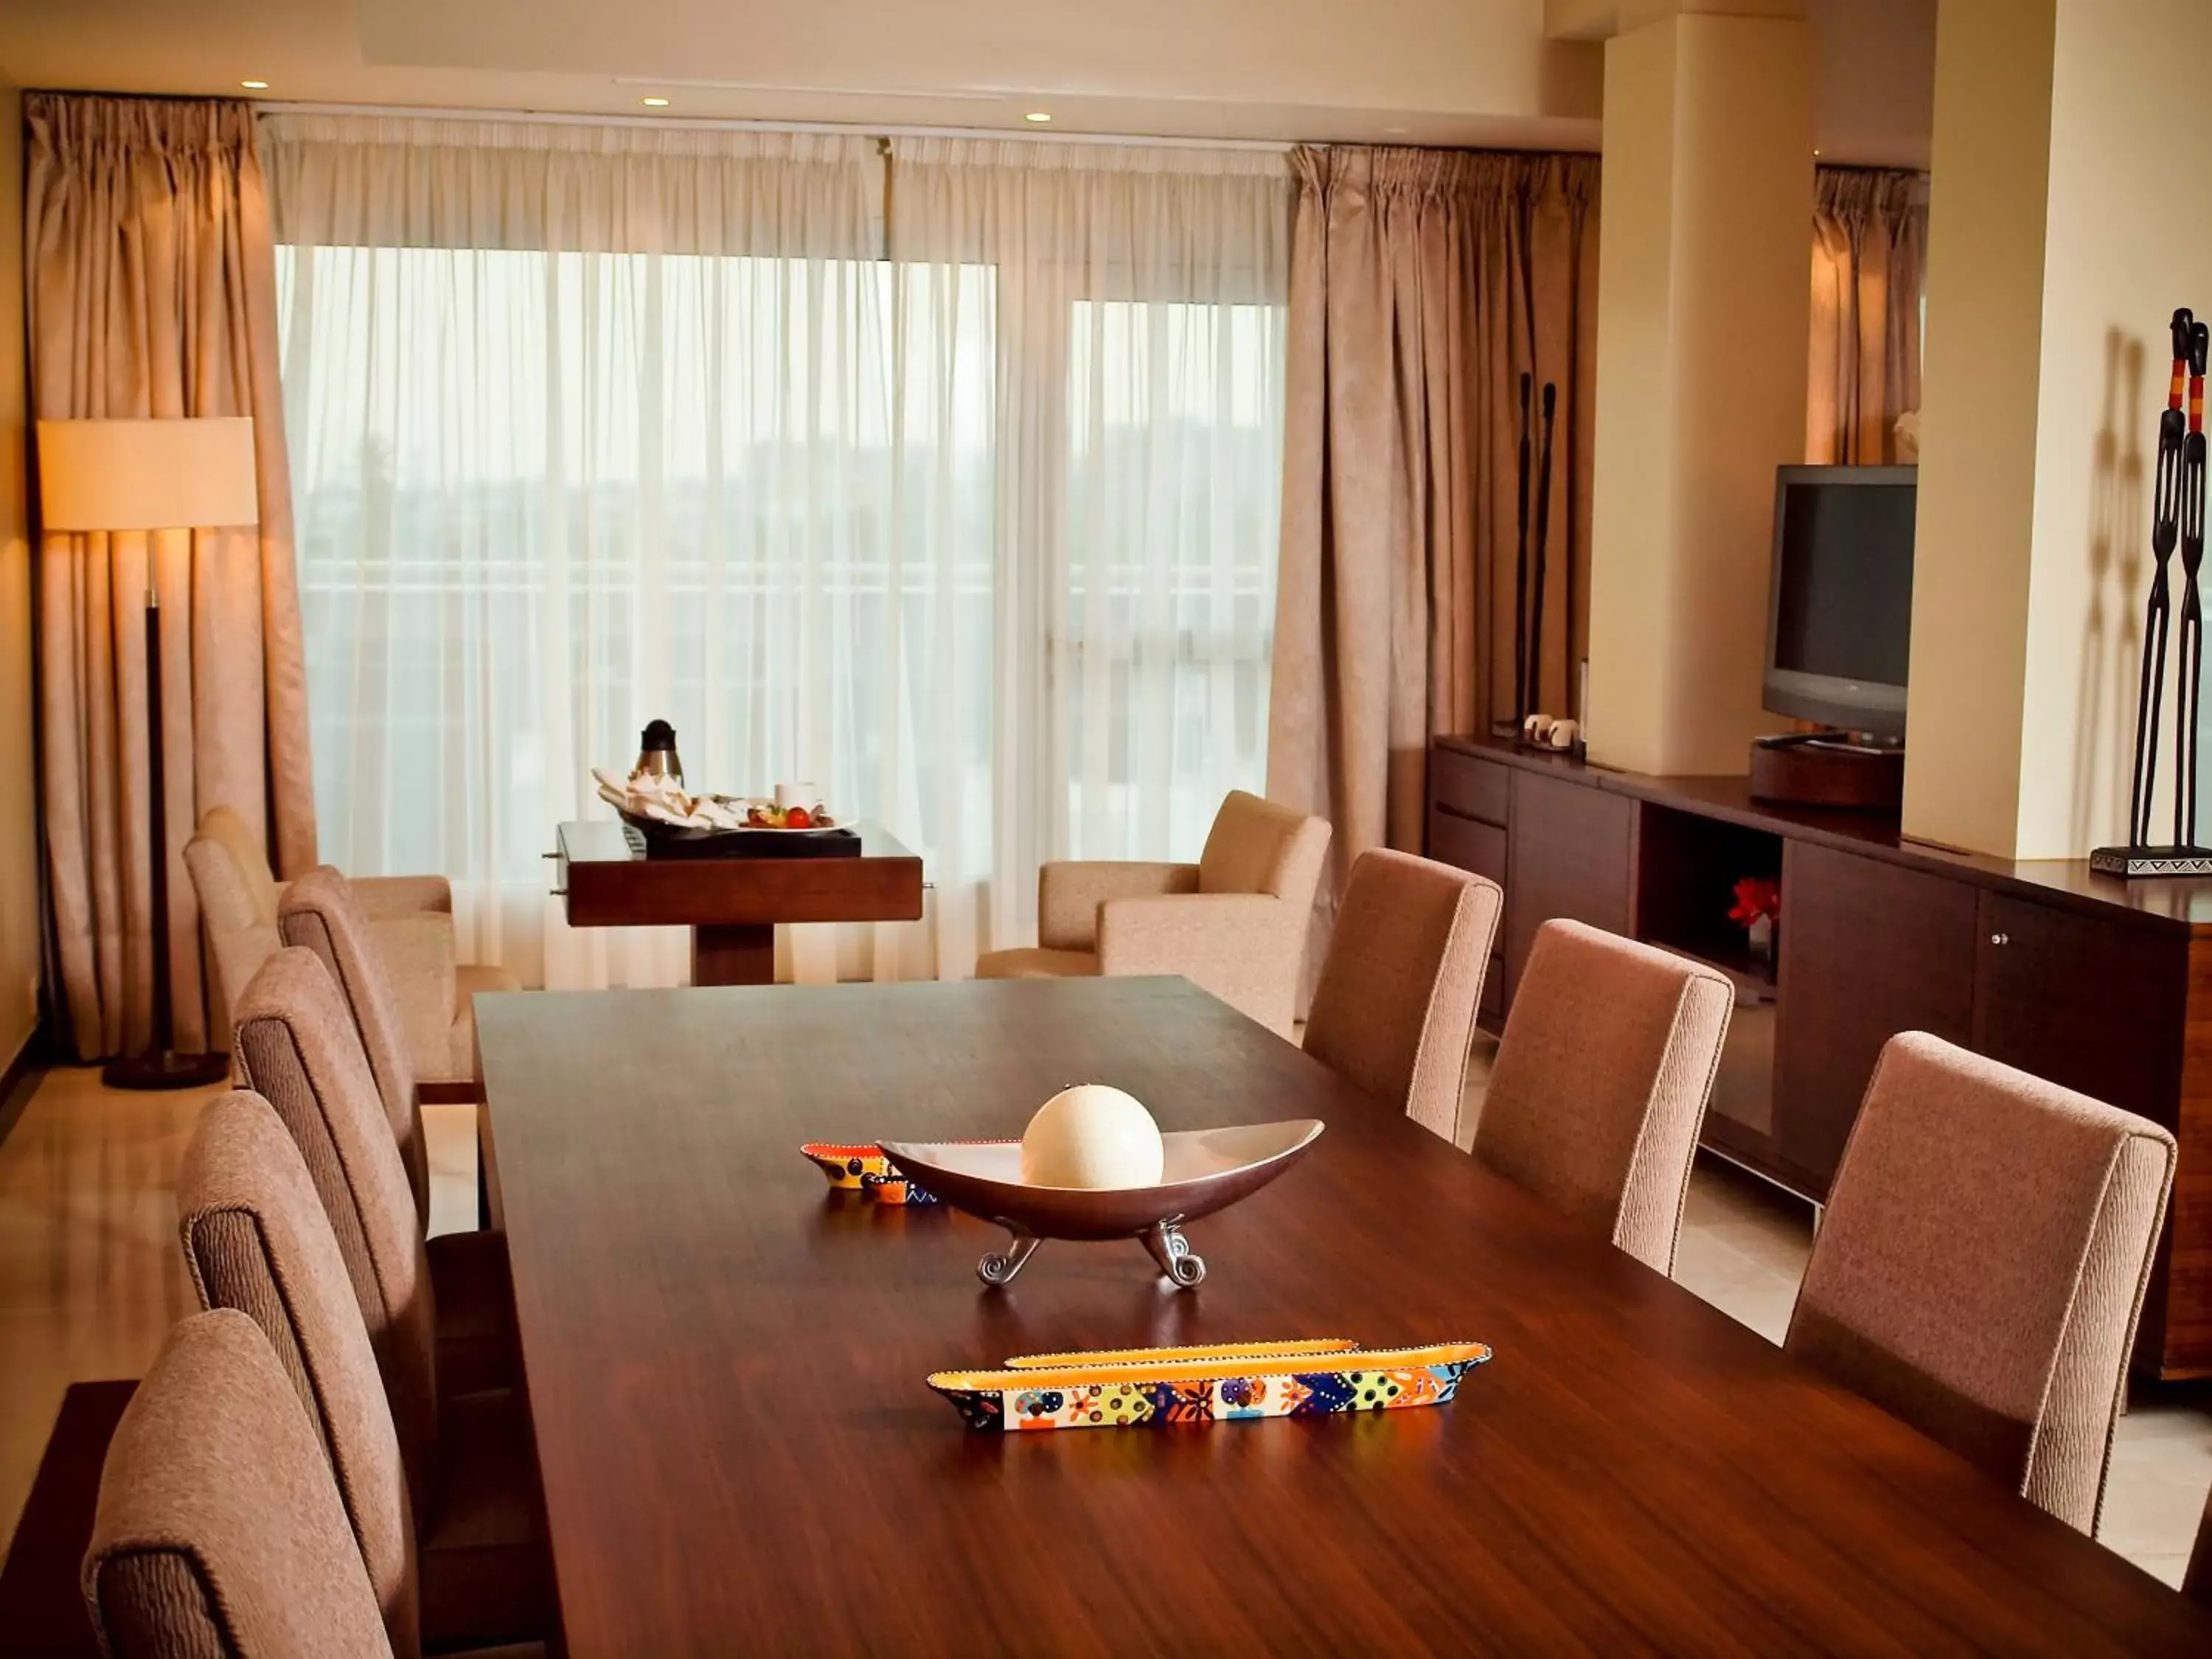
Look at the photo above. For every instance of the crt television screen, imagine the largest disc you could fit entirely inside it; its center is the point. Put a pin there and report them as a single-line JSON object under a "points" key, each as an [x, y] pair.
{"points": [[1845, 608]]}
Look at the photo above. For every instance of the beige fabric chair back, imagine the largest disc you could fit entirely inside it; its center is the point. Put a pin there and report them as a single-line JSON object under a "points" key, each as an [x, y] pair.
{"points": [[1981, 1263], [219, 1534], [297, 1049], [256, 1240], [1257, 847], [238, 902], [256, 882], [1601, 1083], [1394, 1013], [2197, 1583], [319, 912]]}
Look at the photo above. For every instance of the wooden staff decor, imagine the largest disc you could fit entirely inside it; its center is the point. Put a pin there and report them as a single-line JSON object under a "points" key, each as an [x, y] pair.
{"points": [[1530, 562], [2177, 520], [1521, 575]]}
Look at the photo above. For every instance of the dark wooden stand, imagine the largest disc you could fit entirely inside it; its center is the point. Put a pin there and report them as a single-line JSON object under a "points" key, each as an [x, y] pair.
{"points": [[733, 906], [2094, 982]]}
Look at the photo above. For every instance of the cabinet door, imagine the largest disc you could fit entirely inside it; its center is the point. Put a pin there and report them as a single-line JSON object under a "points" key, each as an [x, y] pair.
{"points": [[1869, 949], [1571, 855], [2088, 1004]]}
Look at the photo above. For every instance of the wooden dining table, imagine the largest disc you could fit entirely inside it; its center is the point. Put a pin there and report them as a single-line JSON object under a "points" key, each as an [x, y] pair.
{"points": [[605, 877], [723, 1363]]}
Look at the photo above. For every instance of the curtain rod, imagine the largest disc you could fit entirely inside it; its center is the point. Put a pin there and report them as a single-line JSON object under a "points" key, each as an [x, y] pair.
{"points": [[710, 124]]}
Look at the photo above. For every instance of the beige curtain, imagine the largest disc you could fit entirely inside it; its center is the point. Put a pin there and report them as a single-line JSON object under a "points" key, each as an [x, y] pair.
{"points": [[1423, 283], [1869, 249], [151, 290]]}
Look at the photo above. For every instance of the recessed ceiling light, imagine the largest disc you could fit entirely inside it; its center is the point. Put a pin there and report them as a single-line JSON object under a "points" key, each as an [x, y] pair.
{"points": [[255, 86], [654, 103], [1038, 116]]}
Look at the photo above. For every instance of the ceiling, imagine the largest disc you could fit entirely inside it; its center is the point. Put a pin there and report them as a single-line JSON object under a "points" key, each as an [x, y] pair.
{"points": [[1409, 71]]}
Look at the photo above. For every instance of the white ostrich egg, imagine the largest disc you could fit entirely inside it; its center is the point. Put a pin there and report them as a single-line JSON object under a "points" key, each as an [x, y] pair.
{"points": [[1092, 1135]]}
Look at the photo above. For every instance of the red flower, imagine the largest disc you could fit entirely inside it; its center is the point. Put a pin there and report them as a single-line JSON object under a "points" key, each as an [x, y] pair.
{"points": [[1756, 896]]}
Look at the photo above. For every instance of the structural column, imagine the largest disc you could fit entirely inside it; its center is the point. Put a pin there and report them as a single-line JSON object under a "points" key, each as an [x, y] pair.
{"points": [[1703, 314], [2066, 221]]}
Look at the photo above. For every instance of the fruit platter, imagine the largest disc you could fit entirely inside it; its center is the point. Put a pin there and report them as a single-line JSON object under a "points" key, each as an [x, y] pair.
{"points": [[674, 822]]}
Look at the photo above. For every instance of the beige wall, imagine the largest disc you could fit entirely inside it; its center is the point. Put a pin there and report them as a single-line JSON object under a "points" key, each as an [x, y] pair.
{"points": [[2066, 223], [1702, 313], [1977, 421], [19, 856]]}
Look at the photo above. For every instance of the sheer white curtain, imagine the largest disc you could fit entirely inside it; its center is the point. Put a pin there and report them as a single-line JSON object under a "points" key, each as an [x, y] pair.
{"points": [[593, 425], [1138, 310]]}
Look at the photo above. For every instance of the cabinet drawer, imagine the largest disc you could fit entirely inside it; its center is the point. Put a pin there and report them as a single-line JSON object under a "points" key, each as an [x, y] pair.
{"points": [[1467, 844], [1493, 991], [1473, 788]]}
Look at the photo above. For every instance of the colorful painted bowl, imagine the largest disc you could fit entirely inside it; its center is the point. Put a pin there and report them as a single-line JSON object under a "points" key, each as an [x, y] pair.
{"points": [[1153, 1392], [1206, 1169], [861, 1167]]}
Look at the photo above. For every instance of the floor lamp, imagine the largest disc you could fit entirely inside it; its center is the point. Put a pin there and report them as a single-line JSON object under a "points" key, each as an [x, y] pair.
{"points": [[151, 475]]}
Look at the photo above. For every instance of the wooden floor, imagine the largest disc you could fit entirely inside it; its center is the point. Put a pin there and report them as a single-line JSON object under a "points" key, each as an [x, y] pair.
{"points": [[90, 1278]]}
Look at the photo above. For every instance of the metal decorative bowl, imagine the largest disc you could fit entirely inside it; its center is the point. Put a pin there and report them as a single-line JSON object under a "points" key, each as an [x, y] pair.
{"points": [[1205, 1170]]}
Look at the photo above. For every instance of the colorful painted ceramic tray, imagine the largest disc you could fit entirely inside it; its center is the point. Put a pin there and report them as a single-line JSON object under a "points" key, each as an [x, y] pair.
{"points": [[1205, 1170], [1254, 1353], [861, 1167], [1163, 1389]]}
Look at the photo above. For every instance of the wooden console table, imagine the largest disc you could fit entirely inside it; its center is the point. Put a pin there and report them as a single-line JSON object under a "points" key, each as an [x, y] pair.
{"points": [[2100, 985], [731, 906]]}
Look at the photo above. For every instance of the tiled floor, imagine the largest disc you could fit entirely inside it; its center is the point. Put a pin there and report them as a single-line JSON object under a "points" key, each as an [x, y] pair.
{"points": [[90, 1278]]}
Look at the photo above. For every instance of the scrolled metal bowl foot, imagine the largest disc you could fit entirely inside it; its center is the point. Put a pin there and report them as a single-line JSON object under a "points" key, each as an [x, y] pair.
{"points": [[1000, 1266], [1172, 1251]]}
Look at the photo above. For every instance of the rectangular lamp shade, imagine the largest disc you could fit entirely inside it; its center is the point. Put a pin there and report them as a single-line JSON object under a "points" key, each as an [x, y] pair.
{"points": [[195, 474]]}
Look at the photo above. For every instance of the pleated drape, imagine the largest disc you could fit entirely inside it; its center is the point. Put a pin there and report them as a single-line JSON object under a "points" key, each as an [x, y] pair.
{"points": [[1869, 251], [1423, 284], [151, 293]]}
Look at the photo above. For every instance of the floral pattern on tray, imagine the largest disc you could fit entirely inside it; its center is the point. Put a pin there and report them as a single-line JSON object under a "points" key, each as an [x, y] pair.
{"points": [[1218, 1386]]}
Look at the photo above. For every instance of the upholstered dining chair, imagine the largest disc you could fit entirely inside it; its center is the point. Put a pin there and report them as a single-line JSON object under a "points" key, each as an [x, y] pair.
{"points": [[1601, 1081], [1394, 1012], [2197, 1583], [297, 1047], [1981, 1263], [238, 894], [1234, 923], [446, 1521], [218, 1531], [415, 1005]]}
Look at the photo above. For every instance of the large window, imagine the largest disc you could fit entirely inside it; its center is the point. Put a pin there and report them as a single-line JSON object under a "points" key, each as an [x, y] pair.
{"points": [[989, 557]]}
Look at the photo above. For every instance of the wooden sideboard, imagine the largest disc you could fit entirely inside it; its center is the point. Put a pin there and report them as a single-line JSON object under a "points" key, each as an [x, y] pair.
{"points": [[2099, 984]]}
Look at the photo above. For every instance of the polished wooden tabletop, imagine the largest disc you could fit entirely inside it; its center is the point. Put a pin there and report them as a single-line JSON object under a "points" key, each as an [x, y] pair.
{"points": [[724, 1369]]}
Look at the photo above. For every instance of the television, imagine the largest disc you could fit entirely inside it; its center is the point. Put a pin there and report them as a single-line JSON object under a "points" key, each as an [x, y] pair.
{"points": [[1839, 605]]}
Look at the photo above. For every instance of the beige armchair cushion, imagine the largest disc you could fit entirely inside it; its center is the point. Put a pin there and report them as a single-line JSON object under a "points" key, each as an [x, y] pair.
{"points": [[219, 1532], [1601, 1081], [1069, 892], [1394, 1013], [1981, 1263], [1234, 923]]}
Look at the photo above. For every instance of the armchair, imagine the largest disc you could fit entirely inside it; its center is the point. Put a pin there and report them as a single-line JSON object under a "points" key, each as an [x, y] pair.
{"points": [[1234, 923], [239, 895]]}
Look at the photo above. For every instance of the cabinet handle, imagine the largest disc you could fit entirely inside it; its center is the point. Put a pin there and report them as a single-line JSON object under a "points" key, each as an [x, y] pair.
{"points": [[2000, 939]]}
